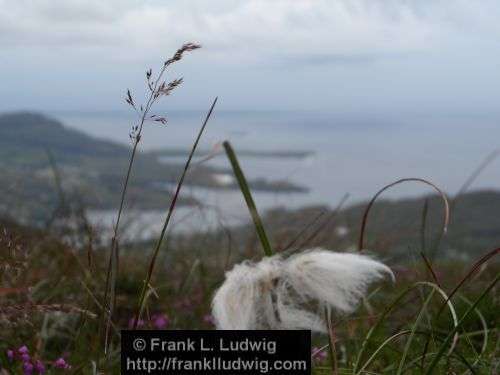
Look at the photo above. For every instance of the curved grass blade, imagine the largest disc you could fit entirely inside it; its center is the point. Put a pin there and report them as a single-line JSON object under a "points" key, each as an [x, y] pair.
{"points": [[381, 346], [453, 332], [411, 179], [392, 306]]}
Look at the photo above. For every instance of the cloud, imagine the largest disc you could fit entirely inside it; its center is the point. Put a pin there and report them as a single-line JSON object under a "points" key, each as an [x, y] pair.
{"points": [[252, 31], [383, 54]]}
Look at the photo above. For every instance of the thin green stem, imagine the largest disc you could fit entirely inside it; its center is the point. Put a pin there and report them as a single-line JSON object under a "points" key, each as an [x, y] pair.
{"points": [[159, 242], [245, 190]]}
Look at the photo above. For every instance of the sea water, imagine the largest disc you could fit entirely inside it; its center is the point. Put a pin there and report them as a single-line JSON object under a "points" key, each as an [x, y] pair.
{"points": [[352, 154]]}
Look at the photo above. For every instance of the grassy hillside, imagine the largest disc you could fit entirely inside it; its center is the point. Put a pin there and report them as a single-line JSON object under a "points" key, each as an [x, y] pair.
{"points": [[395, 226]]}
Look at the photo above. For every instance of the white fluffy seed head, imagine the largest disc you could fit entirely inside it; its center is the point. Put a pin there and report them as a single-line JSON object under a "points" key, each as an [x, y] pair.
{"points": [[338, 280], [276, 293], [244, 296]]}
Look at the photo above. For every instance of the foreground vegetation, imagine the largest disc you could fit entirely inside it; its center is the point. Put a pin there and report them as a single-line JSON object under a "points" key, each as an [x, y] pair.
{"points": [[52, 296]]}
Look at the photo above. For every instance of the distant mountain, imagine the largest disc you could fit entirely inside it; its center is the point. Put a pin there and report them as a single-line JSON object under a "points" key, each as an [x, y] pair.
{"points": [[90, 170], [26, 134]]}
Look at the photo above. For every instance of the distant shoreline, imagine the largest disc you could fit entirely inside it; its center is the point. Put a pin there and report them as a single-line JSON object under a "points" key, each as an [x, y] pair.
{"points": [[281, 154]]}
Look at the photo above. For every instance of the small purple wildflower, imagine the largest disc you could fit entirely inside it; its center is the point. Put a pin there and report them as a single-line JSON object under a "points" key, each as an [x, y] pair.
{"points": [[10, 355], [160, 321], [61, 363], [25, 357], [40, 367], [23, 350], [28, 368]]}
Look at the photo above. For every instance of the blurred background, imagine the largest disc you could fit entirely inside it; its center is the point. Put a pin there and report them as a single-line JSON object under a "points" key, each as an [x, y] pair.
{"points": [[319, 98]]}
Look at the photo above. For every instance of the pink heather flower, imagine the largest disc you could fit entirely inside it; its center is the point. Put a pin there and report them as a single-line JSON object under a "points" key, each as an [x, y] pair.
{"points": [[160, 321], [10, 354], [140, 323], [23, 350], [61, 363], [209, 319], [318, 354], [25, 357], [27, 368], [40, 367]]}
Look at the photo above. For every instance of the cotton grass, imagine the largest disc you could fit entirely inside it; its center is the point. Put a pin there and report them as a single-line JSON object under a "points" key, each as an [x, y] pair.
{"points": [[291, 293]]}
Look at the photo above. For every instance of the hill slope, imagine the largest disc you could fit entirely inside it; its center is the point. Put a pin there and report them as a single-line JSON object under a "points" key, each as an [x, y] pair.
{"points": [[394, 227], [27, 135]]}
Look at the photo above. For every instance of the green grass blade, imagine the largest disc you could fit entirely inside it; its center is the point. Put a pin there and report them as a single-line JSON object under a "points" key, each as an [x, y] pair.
{"points": [[412, 333], [442, 349], [380, 347], [379, 322], [390, 308], [245, 190]]}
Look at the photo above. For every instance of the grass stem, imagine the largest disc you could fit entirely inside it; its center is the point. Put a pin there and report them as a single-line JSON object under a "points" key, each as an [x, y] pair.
{"points": [[170, 212], [245, 190]]}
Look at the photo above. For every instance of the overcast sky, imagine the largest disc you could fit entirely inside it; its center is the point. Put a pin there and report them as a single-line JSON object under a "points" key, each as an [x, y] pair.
{"points": [[341, 56]]}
